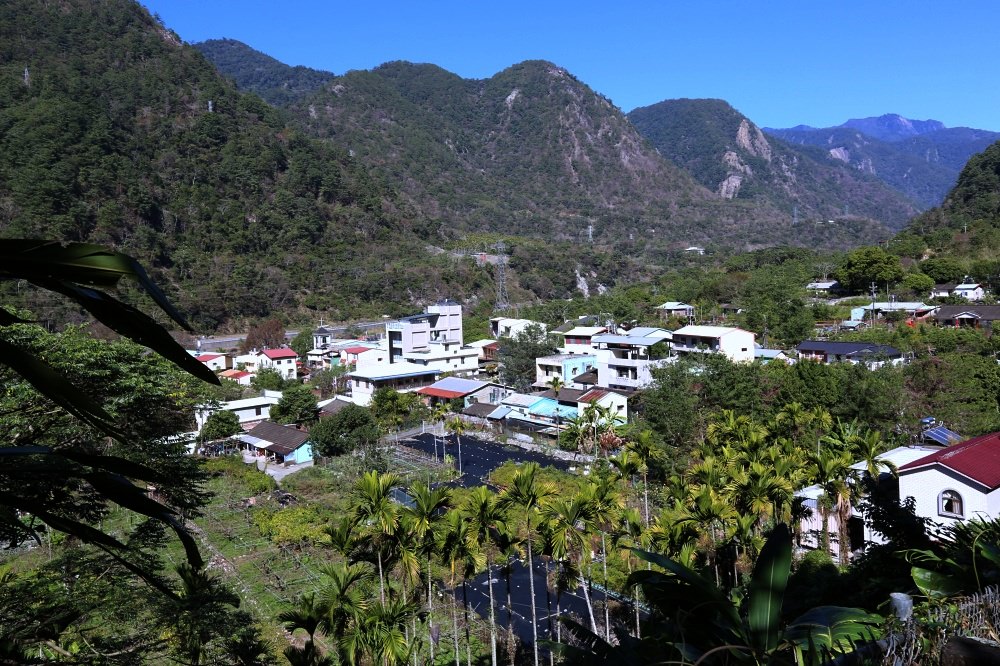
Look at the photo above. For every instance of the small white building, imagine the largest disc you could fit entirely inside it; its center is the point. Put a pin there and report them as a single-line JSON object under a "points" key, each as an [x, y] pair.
{"points": [[970, 291], [507, 327], [438, 323], [616, 403], [215, 362], [446, 356], [579, 340], [823, 287], [956, 483], [624, 360], [281, 361], [401, 376], [735, 343], [248, 410], [675, 309]]}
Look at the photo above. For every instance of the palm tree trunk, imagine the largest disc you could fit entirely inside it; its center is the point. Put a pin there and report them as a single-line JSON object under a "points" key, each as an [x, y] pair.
{"points": [[454, 619], [590, 606], [534, 613], [493, 619], [510, 619], [465, 611], [645, 497], [607, 611], [430, 610], [381, 579]]}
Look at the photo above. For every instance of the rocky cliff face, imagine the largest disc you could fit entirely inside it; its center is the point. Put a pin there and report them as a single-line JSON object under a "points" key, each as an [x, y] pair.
{"points": [[729, 154]]}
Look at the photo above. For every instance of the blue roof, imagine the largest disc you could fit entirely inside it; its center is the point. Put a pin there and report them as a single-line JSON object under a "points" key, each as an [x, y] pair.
{"points": [[942, 435], [550, 407], [458, 384]]}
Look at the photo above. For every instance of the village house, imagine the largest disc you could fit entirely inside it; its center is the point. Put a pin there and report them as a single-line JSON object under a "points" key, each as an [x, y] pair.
{"points": [[973, 316], [956, 483], [446, 356], [282, 444], [579, 339], [248, 410], [215, 362], [970, 291], [942, 290], [487, 350], [614, 403], [283, 361], [734, 343], [823, 287], [400, 376], [506, 327], [241, 377], [675, 309], [625, 360], [564, 367], [469, 391], [868, 353], [439, 322]]}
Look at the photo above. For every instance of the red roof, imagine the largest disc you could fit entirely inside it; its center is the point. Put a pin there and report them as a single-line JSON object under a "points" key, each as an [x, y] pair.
{"points": [[440, 393], [977, 459], [593, 395], [280, 353], [205, 358], [239, 374], [492, 345], [357, 350]]}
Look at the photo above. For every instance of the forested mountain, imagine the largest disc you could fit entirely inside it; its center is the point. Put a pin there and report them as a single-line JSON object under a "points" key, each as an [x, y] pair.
{"points": [[534, 151], [921, 159], [275, 82], [113, 131], [730, 155], [967, 224]]}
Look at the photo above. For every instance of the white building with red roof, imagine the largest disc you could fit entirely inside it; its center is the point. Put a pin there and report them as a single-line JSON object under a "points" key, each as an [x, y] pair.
{"points": [[215, 362], [280, 360], [956, 483]]}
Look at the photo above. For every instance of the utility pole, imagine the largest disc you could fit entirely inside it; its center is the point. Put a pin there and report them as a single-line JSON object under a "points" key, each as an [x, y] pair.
{"points": [[874, 290]]}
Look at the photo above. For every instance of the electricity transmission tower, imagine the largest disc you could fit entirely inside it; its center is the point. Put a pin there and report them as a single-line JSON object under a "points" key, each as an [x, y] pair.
{"points": [[503, 300]]}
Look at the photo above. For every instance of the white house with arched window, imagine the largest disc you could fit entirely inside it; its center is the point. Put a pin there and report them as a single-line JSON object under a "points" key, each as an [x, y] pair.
{"points": [[957, 483]]}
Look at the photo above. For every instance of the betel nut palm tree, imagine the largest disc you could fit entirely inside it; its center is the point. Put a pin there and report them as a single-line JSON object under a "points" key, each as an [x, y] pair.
{"points": [[526, 494]]}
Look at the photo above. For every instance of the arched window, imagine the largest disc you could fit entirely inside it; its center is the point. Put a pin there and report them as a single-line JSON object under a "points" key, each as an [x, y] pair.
{"points": [[950, 504]]}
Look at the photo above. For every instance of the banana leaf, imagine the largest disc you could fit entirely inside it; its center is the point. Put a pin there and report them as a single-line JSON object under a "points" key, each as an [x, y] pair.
{"points": [[81, 263], [767, 589]]}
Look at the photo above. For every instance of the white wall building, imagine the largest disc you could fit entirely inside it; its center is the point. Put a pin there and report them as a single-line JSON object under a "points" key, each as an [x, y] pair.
{"points": [[281, 361], [623, 360], [506, 327], [447, 356], [562, 366], [734, 343], [440, 322], [401, 376], [956, 483], [579, 340], [970, 291], [247, 410]]}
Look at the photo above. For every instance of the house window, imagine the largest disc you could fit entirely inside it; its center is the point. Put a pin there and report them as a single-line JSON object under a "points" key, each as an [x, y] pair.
{"points": [[950, 504]]}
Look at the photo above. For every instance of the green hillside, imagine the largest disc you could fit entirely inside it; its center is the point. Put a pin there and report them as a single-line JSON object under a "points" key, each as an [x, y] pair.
{"points": [[535, 152], [113, 131], [275, 82]]}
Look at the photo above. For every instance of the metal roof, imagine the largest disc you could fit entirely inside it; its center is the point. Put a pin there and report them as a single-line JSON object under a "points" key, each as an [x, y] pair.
{"points": [[977, 459], [848, 348]]}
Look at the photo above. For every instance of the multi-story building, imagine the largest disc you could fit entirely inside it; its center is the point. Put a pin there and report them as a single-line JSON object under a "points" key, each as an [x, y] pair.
{"points": [[734, 343], [439, 323], [624, 361], [564, 367]]}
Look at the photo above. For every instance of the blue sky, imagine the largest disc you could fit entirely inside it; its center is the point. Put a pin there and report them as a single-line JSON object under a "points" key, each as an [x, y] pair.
{"points": [[779, 62]]}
